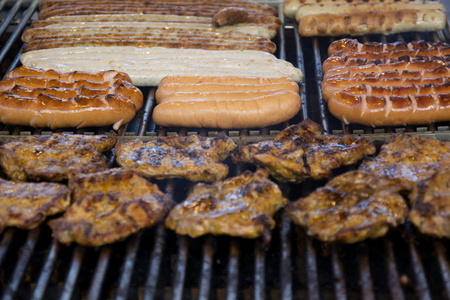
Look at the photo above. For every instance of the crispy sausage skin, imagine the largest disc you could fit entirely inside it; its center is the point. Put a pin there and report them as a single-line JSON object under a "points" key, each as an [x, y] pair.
{"points": [[383, 110], [344, 46], [387, 79], [229, 16]]}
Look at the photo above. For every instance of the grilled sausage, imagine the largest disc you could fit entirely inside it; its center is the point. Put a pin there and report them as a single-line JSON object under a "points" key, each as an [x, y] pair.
{"points": [[147, 66], [49, 111], [390, 110], [335, 62], [182, 41], [107, 82], [399, 66], [231, 112], [290, 7], [258, 14], [139, 24], [24, 71], [347, 8], [385, 79], [408, 90], [229, 16], [38, 98], [345, 46], [173, 84], [372, 22], [113, 3]]}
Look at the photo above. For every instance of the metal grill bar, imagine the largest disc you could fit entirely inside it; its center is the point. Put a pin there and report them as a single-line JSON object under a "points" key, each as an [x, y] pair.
{"points": [[26, 251], [259, 281], [393, 278], [2, 4], [146, 116], [6, 242], [366, 279], [319, 76], [99, 274], [338, 272], [16, 34], [286, 263], [205, 278], [421, 284], [444, 265], [128, 265], [180, 268], [46, 272], [233, 271], [72, 276], [301, 66], [10, 16], [311, 271], [151, 284]]}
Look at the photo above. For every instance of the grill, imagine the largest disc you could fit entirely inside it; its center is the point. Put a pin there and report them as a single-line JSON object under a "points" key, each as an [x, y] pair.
{"points": [[157, 264]]}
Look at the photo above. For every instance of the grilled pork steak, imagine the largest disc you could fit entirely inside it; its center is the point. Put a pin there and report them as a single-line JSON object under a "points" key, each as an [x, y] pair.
{"points": [[408, 159], [27, 204], [109, 206], [350, 208], [240, 206], [302, 151], [430, 204], [55, 157], [194, 157]]}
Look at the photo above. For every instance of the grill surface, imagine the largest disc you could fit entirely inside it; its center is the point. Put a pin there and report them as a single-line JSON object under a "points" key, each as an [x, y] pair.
{"points": [[157, 264]]}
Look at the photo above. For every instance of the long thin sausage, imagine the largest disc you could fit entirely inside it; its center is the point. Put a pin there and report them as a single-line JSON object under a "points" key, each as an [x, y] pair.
{"points": [[344, 46], [389, 78]]}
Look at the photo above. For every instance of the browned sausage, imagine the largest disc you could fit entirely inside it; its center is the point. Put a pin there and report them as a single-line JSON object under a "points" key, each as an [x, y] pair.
{"points": [[229, 16]]}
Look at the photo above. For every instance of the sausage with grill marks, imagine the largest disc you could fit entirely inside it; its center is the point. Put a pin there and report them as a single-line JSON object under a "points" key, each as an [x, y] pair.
{"points": [[334, 62], [345, 46], [335, 84], [112, 82], [438, 51], [386, 110], [141, 30], [189, 43], [204, 11], [229, 16], [376, 69], [111, 3], [290, 7], [24, 71], [407, 90], [46, 110]]}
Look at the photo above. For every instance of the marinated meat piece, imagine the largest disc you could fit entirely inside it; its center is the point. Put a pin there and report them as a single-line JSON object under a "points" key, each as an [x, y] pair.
{"points": [[55, 157], [301, 151], [109, 206], [26, 204], [350, 208], [194, 157], [241, 206], [408, 159], [430, 204]]}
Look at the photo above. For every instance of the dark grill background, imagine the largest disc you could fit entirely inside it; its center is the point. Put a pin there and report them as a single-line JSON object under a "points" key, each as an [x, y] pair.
{"points": [[157, 264]]}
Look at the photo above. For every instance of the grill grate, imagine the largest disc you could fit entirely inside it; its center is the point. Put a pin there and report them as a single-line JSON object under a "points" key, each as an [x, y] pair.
{"points": [[156, 264]]}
